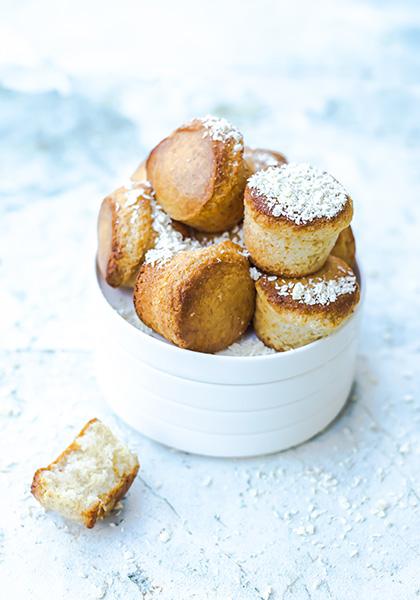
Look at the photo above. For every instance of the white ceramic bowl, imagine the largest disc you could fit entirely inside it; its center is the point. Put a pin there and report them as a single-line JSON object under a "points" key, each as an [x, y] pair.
{"points": [[221, 405]]}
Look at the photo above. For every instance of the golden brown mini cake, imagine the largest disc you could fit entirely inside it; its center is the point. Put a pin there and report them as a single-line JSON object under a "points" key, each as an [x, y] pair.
{"points": [[125, 233], [293, 216], [294, 312], [345, 247], [260, 158], [199, 299], [140, 174], [88, 479], [199, 174]]}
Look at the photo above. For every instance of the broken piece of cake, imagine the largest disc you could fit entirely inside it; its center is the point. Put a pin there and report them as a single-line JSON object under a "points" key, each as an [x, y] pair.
{"points": [[88, 479]]}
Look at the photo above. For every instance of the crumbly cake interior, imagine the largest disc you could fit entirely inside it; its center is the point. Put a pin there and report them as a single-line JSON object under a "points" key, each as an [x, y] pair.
{"points": [[96, 466]]}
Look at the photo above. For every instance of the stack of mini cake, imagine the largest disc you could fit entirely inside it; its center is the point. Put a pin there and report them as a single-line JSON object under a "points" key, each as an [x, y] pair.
{"points": [[214, 235], [294, 215]]}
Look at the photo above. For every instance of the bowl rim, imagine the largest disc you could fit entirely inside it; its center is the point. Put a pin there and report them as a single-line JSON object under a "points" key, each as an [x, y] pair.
{"points": [[217, 358]]}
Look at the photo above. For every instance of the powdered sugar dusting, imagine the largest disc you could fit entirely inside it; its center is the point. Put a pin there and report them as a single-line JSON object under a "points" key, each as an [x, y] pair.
{"points": [[299, 192], [318, 291], [221, 130]]}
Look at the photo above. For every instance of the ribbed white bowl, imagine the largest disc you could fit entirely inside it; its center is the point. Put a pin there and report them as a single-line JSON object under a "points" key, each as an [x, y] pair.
{"points": [[221, 405]]}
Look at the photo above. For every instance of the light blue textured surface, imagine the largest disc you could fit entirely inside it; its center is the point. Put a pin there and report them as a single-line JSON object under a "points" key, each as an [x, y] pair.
{"points": [[85, 90]]}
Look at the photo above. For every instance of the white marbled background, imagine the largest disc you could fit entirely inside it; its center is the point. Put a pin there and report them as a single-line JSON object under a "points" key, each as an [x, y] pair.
{"points": [[85, 89]]}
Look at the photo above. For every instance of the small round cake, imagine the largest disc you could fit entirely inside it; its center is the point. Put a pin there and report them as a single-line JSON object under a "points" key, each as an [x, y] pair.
{"points": [[199, 174], [199, 299], [294, 312], [125, 233], [260, 158], [345, 247], [293, 216]]}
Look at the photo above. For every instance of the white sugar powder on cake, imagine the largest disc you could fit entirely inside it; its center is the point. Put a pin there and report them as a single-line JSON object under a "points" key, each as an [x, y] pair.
{"points": [[318, 291], [220, 130], [299, 192]]}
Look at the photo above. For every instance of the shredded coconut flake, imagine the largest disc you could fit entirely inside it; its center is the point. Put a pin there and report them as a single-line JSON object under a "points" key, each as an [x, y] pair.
{"points": [[169, 241], [299, 192], [318, 291], [220, 130], [255, 273], [134, 189]]}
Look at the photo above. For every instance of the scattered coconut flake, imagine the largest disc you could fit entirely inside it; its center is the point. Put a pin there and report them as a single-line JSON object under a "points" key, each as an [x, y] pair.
{"points": [[169, 241], [380, 510], [100, 591], [344, 502], [317, 290], [304, 530], [165, 536], [135, 189], [404, 448], [317, 584], [299, 192], [267, 593], [255, 273], [221, 130]]}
